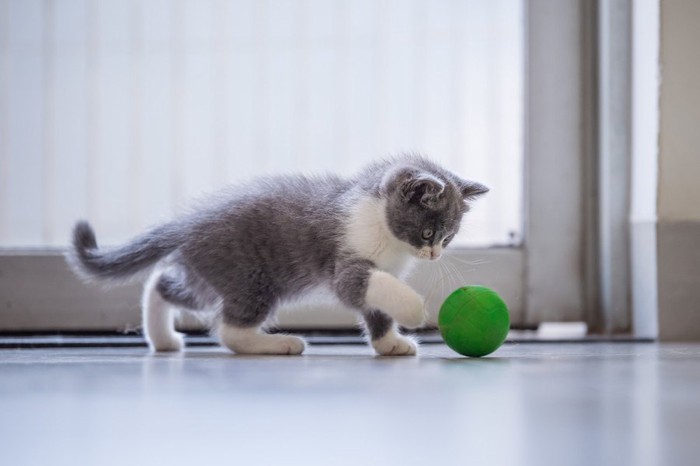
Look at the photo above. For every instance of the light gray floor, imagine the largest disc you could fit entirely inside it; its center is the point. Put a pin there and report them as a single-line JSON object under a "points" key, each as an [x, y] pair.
{"points": [[533, 404]]}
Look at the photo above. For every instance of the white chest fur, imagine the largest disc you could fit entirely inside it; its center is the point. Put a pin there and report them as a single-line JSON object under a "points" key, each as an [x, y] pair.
{"points": [[368, 235]]}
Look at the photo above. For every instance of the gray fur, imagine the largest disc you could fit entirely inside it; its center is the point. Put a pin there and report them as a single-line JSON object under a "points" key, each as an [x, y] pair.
{"points": [[145, 250], [256, 245], [182, 287], [349, 281], [421, 194], [377, 323]]}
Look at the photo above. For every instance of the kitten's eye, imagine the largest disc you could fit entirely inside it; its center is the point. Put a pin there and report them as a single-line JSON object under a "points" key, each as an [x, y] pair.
{"points": [[427, 233], [447, 239]]}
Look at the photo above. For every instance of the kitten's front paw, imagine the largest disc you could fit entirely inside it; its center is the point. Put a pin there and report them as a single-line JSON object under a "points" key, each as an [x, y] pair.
{"points": [[407, 307], [394, 344], [413, 314], [172, 342], [395, 298]]}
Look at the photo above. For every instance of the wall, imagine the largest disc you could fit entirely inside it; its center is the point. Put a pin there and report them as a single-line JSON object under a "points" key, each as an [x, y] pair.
{"points": [[678, 212]]}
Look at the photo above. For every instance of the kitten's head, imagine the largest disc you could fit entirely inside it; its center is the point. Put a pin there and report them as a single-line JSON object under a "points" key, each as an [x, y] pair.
{"points": [[425, 205]]}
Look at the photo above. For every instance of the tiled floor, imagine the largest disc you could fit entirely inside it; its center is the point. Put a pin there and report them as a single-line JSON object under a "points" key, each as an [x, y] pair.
{"points": [[534, 404]]}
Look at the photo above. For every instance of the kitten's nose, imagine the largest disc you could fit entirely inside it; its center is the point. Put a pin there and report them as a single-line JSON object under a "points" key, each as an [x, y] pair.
{"points": [[434, 255]]}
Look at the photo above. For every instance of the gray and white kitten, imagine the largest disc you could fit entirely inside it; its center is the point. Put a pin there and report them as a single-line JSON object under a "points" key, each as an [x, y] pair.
{"points": [[258, 245]]}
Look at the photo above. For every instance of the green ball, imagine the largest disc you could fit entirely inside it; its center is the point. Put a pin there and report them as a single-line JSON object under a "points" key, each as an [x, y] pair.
{"points": [[474, 321]]}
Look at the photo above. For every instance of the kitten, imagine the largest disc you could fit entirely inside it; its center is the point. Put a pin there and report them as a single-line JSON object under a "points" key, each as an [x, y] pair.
{"points": [[257, 245]]}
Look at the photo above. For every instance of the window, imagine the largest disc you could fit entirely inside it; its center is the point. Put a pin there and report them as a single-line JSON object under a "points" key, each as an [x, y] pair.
{"points": [[119, 112]]}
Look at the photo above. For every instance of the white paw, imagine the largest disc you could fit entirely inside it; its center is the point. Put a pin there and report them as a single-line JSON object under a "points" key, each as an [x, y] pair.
{"points": [[394, 344], [388, 294], [287, 344], [251, 341], [412, 313], [174, 341]]}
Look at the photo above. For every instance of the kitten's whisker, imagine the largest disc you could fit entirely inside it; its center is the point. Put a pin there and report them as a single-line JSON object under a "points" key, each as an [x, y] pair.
{"points": [[457, 272], [433, 282], [450, 281], [460, 265], [451, 273], [433, 285], [467, 262], [443, 271], [442, 280]]}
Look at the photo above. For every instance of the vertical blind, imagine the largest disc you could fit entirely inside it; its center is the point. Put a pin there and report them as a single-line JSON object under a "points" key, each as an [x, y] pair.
{"points": [[120, 111]]}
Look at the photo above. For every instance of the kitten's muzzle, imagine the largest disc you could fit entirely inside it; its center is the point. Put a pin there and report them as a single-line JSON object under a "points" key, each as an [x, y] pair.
{"points": [[430, 253]]}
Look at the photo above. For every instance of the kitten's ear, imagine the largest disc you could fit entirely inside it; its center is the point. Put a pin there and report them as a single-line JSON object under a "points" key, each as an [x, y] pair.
{"points": [[471, 190], [414, 185], [422, 187]]}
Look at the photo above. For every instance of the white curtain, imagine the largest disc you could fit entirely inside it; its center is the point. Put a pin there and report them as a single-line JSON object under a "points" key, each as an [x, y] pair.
{"points": [[121, 111]]}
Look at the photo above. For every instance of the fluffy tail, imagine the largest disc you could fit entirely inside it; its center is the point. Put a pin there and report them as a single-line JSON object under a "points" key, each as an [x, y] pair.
{"points": [[88, 261]]}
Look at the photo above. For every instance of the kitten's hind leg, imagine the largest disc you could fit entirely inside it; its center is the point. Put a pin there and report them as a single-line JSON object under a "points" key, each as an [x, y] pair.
{"points": [[251, 340], [248, 298], [184, 289], [159, 318], [240, 330], [385, 337]]}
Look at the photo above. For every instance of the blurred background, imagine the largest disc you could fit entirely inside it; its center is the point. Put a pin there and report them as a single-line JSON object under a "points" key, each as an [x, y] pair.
{"points": [[580, 115], [121, 111]]}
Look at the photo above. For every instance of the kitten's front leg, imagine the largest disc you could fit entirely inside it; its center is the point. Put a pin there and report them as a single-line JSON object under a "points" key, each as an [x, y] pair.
{"points": [[385, 338], [360, 284], [395, 298]]}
